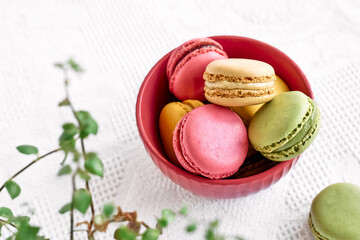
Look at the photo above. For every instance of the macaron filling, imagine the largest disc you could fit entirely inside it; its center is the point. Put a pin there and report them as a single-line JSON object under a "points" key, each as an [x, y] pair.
{"points": [[215, 77], [239, 85], [238, 93], [304, 130]]}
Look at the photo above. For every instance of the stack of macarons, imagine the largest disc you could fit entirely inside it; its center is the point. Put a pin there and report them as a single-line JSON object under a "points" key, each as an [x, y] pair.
{"points": [[235, 117]]}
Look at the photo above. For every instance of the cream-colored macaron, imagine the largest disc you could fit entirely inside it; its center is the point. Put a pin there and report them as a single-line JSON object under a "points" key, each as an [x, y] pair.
{"points": [[239, 82]]}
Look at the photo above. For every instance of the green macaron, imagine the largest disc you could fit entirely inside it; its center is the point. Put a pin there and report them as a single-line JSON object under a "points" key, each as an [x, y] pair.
{"points": [[284, 127], [335, 213]]}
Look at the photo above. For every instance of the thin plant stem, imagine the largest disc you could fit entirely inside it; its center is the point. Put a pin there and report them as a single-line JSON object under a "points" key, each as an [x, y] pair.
{"points": [[66, 84], [73, 184], [4, 223], [29, 165]]}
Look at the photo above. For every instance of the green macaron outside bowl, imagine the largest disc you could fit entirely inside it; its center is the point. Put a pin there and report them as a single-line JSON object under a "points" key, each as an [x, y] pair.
{"points": [[285, 127], [335, 213]]}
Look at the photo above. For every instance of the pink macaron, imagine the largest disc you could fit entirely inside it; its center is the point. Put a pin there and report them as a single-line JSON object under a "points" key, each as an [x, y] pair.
{"points": [[187, 64], [211, 141]]}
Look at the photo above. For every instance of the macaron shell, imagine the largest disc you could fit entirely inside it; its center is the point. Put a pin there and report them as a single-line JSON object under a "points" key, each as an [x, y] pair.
{"points": [[240, 67], [298, 147], [237, 102], [170, 115], [193, 103], [178, 148], [213, 141], [280, 86], [186, 81], [335, 212], [276, 120], [181, 51]]}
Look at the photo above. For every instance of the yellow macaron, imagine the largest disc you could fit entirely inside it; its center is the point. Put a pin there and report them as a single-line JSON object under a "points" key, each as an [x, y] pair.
{"points": [[170, 115], [246, 113]]}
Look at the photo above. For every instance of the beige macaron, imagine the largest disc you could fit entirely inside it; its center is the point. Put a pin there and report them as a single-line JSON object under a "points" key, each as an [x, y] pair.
{"points": [[239, 82]]}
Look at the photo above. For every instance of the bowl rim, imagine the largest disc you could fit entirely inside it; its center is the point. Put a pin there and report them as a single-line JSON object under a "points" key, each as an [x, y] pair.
{"points": [[222, 182]]}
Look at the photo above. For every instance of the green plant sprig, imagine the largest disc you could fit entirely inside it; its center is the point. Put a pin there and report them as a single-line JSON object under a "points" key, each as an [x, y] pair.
{"points": [[86, 126], [85, 165]]}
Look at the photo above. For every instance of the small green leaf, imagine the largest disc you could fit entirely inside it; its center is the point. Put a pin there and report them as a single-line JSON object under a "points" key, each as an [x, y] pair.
{"points": [[20, 220], [83, 174], [13, 189], [11, 237], [151, 234], [191, 227], [26, 232], [76, 156], [168, 214], [108, 210], [41, 238], [210, 235], [65, 208], [68, 145], [64, 102], [75, 66], [59, 65], [6, 213], [214, 224], [184, 211], [94, 165], [87, 124], [82, 200], [64, 170], [27, 149], [124, 233], [70, 130], [163, 223]]}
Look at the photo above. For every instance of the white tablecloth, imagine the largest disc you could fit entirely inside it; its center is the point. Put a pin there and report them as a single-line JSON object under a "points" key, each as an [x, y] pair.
{"points": [[118, 42]]}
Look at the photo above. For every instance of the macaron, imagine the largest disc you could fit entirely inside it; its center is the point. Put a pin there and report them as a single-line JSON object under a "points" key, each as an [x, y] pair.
{"points": [[239, 82], [335, 213], [284, 127], [246, 113], [170, 115], [187, 64], [211, 141]]}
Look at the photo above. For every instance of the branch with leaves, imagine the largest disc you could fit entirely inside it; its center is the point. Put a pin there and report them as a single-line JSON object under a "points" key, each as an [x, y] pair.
{"points": [[82, 165]]}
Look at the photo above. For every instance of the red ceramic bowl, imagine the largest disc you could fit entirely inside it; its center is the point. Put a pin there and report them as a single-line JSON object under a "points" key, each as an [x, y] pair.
{"points": [[154, 95]]}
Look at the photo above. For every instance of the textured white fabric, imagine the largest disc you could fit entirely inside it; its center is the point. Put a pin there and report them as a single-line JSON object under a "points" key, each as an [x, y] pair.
{"points": [[118, 42]]}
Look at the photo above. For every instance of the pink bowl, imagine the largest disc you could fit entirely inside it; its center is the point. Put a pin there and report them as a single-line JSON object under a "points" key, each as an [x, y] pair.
{"points": [[154, 95]]}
